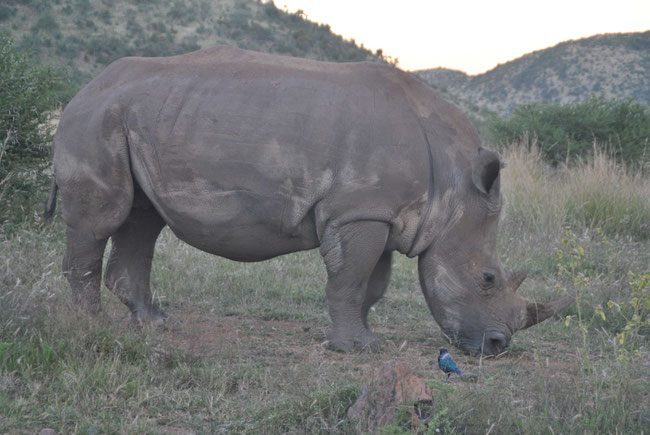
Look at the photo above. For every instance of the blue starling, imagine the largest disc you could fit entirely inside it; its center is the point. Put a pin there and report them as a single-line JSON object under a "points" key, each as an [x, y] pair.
{"points": [[447, 364]]}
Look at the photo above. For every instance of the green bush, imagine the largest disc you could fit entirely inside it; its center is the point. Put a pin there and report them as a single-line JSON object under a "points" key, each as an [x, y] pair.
{"points": [[6, 12], [272, 11], [563, 132], [83, 7], [28, 95], [46, 23], [180, 12]]}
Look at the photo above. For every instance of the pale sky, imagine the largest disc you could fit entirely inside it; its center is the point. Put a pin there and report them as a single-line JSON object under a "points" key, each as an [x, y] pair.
{"points": [[470, 35]]}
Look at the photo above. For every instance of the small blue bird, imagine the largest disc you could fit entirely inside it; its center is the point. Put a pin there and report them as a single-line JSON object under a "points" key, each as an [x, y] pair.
{"points": [[447, 364]]}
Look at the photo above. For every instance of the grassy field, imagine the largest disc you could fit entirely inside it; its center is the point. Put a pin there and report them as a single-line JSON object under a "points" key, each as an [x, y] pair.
{"points": [[246, 353]]}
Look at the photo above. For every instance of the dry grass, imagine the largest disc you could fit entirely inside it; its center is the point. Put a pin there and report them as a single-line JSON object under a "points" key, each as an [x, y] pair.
{"points": [[596, 193]]}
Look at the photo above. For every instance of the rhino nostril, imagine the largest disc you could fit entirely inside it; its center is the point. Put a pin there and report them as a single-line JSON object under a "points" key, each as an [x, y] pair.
{"points": [[496, 341]]}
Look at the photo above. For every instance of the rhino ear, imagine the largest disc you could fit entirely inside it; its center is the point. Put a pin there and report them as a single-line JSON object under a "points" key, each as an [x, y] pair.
{"points": [[485, 172]]}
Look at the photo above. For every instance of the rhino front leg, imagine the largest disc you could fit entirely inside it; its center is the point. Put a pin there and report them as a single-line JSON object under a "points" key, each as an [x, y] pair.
{"points": [[129, 266], [351, 254], [377, 284], [82, 266]]}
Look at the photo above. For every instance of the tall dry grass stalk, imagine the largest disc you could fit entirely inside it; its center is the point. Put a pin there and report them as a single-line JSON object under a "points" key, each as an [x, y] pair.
{"points": [[610, 196], [533, 198], [588, 194]]}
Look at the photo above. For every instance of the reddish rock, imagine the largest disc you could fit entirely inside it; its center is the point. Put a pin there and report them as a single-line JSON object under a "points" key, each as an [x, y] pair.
{"points": [[394, 386]]}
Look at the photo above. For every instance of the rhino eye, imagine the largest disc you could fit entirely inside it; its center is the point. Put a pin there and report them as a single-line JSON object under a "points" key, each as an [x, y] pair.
{"points": [[488, 279]]}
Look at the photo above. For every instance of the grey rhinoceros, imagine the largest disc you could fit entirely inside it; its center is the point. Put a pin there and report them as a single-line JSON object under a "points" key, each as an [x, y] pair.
{"points": [[249, 156]]}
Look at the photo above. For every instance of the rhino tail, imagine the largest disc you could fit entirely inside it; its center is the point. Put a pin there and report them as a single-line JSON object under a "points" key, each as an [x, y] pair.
{"points": [[50, 204]]}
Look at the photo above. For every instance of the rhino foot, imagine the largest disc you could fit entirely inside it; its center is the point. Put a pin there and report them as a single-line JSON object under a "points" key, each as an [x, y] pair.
{"points": [[155, 319], [365, 342]]}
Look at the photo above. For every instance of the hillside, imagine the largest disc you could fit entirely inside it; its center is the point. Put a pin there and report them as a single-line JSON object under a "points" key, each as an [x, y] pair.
{"points": [[86, 35], [612, 65]]}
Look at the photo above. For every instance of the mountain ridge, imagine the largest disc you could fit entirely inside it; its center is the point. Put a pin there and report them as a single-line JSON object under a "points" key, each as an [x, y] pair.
{"points": [[615, 65]]}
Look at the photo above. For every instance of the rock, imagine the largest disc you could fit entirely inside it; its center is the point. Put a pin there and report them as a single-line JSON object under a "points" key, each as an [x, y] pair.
{"points": [[394, 387], [47, 431]]}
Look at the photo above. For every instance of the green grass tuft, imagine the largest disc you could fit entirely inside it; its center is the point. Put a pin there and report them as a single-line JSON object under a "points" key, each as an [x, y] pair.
{"points": [[321, 412]]}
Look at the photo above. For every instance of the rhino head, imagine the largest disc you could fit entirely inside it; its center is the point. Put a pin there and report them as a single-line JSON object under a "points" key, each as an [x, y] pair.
{"points": [[470, 294]]}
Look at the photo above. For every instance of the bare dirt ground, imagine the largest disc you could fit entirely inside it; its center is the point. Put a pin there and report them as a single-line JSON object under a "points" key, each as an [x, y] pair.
{"points": [[285, 345]]}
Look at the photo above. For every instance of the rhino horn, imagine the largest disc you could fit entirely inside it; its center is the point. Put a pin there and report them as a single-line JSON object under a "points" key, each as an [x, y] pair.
{"points": [[515, 279], [538, 312]]}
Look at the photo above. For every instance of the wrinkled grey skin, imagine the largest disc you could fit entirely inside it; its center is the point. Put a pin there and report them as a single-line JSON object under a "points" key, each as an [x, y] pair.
{"points": [[250, 156]]}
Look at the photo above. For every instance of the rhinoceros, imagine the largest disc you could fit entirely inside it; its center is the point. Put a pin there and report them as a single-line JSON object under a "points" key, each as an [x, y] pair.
{"points": [[249, 156]]}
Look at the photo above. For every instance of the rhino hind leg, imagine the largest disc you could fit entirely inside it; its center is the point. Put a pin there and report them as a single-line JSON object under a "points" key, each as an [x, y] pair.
{"points": [[351, 254], [377, 284], [129, 266], [82, 266]]}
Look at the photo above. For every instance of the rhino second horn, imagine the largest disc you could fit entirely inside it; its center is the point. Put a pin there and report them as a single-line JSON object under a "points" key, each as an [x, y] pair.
{"points": [[537, 312], [516, 278]]}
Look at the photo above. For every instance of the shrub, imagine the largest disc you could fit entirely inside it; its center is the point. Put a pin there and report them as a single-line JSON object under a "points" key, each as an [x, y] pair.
{"points": [[28, 95], [46, 23], [563, 132], [636, 312], [107, 49], [271, 10], [6, 12], [82, 7], [180, 12], [105, 15], [260, 33]]}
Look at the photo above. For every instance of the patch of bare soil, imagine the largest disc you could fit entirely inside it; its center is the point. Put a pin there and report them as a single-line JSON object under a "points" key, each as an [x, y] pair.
{"points": [[288, 348], [285, 344]]}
